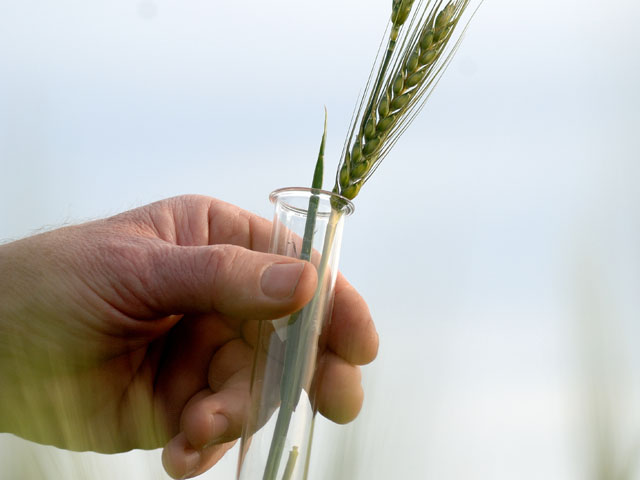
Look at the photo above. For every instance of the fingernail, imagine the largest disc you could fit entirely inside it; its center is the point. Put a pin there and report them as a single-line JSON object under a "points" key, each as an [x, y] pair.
{"points": [[281, 279], [191, 461], [219, 426]]}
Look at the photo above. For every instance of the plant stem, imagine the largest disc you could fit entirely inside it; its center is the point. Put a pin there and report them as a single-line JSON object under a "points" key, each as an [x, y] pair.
{"points": [[291, 463], [299, 335]]}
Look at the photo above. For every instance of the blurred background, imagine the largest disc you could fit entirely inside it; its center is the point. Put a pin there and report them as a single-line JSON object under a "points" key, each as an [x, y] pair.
{"points": [[498, 245]]}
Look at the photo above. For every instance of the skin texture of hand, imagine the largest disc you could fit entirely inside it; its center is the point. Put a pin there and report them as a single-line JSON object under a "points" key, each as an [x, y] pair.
{"points": [[137, 331]]}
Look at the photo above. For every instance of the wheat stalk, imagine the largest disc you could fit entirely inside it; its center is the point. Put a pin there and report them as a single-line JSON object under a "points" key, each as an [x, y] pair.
{"points": [[404, 79], [413, 61]]}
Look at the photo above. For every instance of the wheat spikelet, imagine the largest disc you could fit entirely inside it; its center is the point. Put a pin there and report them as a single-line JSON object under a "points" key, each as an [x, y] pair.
{"points": [[404, 79]]}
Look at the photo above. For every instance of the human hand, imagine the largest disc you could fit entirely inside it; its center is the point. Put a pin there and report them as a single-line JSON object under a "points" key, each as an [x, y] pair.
{"points": [[134, 331]]}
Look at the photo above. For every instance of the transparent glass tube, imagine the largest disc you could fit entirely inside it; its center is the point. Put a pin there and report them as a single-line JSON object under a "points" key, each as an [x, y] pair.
{"points": [[276, 441]]}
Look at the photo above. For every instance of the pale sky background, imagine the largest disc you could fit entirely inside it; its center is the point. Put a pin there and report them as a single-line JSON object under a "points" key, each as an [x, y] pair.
{"points": [[498, 246]]}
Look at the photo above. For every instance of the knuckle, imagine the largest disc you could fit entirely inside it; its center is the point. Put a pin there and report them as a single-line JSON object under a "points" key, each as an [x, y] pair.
{"points": [[224, 267], [222, 262], [234, 261]]}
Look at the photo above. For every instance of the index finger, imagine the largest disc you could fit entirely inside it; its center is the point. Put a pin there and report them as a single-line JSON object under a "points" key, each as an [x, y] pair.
{"points": [[197, 220]]}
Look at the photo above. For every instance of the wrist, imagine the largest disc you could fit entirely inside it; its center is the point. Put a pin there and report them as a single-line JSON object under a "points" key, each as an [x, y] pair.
{"points": [[11, 304]]}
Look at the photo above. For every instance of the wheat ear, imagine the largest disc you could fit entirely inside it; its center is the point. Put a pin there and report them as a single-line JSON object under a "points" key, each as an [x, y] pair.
{"points": [[404, 79]]}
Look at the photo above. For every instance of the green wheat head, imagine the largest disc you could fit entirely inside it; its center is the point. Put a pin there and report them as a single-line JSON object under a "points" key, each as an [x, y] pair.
{"points": [[417, 52]]}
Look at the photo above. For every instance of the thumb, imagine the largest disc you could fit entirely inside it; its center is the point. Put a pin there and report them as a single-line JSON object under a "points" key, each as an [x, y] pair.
{"points": [[231, 280]]}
